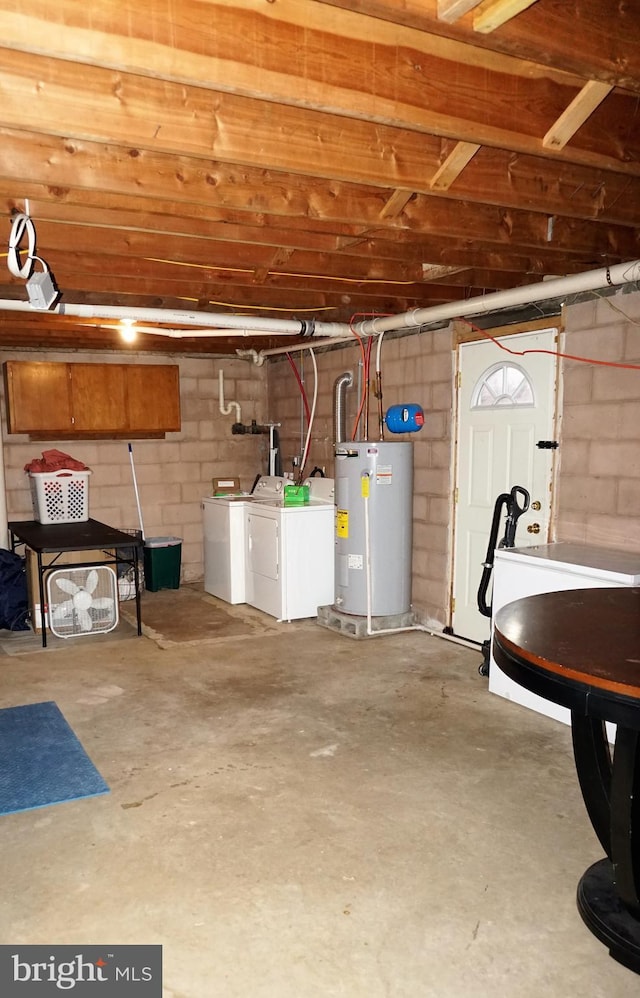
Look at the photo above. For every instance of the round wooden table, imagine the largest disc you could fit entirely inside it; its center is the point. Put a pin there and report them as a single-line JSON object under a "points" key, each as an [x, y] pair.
{"points": [[581, 649]]}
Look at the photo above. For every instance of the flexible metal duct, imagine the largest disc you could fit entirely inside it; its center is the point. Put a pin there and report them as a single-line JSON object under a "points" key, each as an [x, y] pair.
{"points": [[340, 385]]}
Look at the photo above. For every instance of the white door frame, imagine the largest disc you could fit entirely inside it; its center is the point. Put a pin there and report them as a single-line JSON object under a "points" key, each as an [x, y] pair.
{"points": [[503, 333]]}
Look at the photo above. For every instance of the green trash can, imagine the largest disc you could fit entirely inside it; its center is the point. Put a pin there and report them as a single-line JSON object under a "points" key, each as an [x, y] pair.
{"points": [[162, 556]]}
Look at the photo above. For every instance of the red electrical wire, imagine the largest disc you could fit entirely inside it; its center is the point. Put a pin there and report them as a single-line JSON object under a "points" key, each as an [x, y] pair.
{"points": [[367, 372], [364, 383], [301, 386], [365, 360], [552, 353]]}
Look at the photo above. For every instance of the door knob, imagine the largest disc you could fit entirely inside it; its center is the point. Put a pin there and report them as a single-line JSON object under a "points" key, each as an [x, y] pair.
{"points": [[533, 528]]}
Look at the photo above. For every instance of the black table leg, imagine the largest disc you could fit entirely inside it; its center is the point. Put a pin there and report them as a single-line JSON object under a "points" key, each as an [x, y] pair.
{"points": [[43, 608], [594, 767], [608, 893], [625, 818]]}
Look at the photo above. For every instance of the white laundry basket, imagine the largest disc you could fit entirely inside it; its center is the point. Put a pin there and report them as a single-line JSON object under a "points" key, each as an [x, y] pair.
{"points": [[60, 496]]}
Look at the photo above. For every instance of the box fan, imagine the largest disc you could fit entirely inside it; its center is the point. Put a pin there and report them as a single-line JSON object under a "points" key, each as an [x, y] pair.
{"points": [[82, 601]]}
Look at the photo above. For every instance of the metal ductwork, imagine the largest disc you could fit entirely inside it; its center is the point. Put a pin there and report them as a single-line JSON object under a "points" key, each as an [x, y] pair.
{"points": [[340, 385]]}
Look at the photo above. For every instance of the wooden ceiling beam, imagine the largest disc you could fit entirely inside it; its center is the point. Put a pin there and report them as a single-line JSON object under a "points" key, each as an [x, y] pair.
{"points": [[54, 238], [219, 45], [75, 268], [253, 301], [493, 14], [396, 203], [380, 157], [425, 94], [581, 107], [453, 10], [454, 164], [608, 49], [348, 210], [370, 260]]}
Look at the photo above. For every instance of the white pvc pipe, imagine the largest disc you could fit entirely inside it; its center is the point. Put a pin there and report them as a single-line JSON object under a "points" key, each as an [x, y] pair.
{"points": [[367, 552], [623, 273], [225, 409], [210, 334], [257, 358], [216, 320]]}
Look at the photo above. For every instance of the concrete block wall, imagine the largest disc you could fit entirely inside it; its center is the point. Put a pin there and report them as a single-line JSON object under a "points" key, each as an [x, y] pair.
{"points": [[597, 497], [598, 479], [598, 489], [173, 474], [415, 368]]}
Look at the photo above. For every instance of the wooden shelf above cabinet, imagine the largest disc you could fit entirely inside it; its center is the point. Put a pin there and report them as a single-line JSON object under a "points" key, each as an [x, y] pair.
{"points": [[48, 399]]}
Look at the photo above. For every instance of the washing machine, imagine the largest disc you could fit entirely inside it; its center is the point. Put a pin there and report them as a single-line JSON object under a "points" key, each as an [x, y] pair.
{"points": [[224, 532], [290, 552]]}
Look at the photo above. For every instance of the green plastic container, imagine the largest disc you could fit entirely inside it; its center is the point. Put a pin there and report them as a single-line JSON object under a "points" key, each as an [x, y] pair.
{"points": [[162, 557], [296, 495]]}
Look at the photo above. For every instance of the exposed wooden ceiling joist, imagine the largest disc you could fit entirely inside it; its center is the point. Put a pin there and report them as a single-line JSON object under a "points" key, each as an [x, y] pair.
{"points": [[453, 165], [267, 156], [452, 10], [492, 14], [581, 107], [591, 39]]}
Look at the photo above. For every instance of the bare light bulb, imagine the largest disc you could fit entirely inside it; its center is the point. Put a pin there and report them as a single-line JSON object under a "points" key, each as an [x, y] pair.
{"points": [[128, 331]]}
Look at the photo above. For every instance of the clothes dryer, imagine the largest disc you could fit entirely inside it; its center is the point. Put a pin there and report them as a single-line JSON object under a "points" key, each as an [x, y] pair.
{"points": [[290, 553]]}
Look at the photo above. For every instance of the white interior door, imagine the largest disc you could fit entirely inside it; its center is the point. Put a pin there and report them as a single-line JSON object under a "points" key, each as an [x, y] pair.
{"points": [[505, 404]]}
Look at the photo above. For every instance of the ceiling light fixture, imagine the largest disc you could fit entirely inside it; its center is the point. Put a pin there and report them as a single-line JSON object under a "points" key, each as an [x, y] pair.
{"points": [[128, 331]]}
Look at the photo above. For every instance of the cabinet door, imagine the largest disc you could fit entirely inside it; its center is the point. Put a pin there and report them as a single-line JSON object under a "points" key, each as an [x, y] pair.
{"points": [[38, 397], [48, 399], [153, 397], [98, 398]]}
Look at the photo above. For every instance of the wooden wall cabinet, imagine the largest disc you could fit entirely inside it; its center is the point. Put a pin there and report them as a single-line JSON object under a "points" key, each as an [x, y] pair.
{"points": [[47, 399]]}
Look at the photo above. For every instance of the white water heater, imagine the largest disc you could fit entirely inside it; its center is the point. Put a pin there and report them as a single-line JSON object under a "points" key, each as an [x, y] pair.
{"points": [[374, 506]]}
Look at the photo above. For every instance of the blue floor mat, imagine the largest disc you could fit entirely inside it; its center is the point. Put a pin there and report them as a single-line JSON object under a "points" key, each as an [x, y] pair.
{"points": [[41, 760]]}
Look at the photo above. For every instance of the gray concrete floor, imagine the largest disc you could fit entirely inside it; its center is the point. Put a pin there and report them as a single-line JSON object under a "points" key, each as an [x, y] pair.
{"points": [[297, 814]]}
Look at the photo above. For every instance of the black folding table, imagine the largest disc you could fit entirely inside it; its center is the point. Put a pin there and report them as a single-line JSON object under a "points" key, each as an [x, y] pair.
{"points": [[117, 547]]}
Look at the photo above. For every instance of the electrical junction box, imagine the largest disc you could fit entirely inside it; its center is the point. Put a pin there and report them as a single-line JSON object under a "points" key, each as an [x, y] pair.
{"points": [[42, 290]]}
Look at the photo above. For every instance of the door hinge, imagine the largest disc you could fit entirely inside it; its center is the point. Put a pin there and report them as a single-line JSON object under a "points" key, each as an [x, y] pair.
{"points": [[459, 379], [453, 604], [456, 496]]}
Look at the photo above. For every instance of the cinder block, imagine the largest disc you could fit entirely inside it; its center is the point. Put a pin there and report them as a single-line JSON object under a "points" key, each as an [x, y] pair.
{"points": [[357, 627]]}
